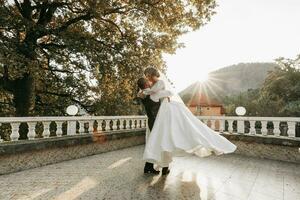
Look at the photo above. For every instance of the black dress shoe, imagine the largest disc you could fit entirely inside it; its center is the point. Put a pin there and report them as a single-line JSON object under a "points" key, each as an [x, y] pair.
{"points": [[150, 171], [165, 171]]}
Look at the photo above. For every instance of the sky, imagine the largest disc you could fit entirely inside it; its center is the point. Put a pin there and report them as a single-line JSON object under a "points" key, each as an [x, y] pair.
{"points": [[240, 31]]}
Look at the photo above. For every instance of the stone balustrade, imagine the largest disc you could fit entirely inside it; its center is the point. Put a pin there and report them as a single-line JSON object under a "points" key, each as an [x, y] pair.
{"points": [[45, 127], [260, 126], [50, 140]]}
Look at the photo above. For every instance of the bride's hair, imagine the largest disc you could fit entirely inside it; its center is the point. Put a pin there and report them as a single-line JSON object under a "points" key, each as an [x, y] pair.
{"points": [[151, 71]]}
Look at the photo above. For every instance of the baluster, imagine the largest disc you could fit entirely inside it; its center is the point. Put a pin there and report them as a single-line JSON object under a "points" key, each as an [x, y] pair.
{"points": [[91, 127], [252, 127], [145, 125], [205, 121], [14, 131], [107, 125], [276, 129], [121, 124], [81, 127], [230, 126], [213, 124], [59, 129], [115, 125], [31, 130], [240, 127], [264, 129], [127, 126], [99, 126], [291, 129], [0, 129], [134, 124], [71, 128], [222, 125], [46, 132], [131, 123], [141, 123]]}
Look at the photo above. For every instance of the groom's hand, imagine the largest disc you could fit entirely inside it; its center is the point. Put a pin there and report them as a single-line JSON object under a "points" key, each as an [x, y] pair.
{"points": [[141, 95]]}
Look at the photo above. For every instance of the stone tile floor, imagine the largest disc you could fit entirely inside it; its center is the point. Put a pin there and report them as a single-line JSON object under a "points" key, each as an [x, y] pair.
{"points": [[118, 175]]}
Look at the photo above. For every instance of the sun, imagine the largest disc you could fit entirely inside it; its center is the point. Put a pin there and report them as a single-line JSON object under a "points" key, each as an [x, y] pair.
{"points": [[203, 77]]}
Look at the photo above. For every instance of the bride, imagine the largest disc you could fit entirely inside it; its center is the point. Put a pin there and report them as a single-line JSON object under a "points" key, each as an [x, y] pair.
{"points": [[176, 129]]}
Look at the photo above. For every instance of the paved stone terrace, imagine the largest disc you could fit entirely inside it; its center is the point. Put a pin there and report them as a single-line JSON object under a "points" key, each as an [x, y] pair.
{"points": [[118, 175]]}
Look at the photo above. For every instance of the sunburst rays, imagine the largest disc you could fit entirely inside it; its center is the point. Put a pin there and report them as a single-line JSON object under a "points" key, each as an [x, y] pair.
{"points": [[210, 88]]}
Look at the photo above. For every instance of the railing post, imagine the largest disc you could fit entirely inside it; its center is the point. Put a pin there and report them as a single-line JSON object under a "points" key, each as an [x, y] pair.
{"points": [[264, 130], [71, 130], [135, 124], [91, 127], [230, 126], [213, 124], [127, 125], [115, 125], [252, 127], [59, 129], [0, 137], [276, 129], [222, 125], [240, 126], [291, 129], [81, 127], [31, 130], [99, 126], [14, 131], [46, 132], [121, 126], [107, 125]]}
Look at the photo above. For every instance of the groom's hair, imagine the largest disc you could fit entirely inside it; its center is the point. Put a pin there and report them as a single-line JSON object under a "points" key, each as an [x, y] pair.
{"points": [[152, 71], [141, 83]]}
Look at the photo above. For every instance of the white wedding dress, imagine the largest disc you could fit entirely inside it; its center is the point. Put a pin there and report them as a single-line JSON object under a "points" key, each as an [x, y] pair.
{"points": [[177, 130]]}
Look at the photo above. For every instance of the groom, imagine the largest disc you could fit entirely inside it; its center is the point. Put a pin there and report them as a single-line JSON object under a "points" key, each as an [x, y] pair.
{"points": [[151, 109]]}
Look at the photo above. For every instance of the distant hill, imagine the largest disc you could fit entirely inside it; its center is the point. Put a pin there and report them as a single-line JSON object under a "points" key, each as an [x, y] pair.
{"points": [[231, 80]]}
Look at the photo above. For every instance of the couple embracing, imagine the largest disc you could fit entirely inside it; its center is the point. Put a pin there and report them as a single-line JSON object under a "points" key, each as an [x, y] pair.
{"points": [[172, 128]]}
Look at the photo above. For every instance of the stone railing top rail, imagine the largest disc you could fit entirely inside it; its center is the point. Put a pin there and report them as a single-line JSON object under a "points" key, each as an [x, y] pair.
{"points": [[65, 125], [264, 126], [245, 118], [67, 118]]}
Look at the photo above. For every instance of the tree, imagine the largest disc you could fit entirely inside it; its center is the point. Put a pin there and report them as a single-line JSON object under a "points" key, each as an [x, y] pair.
{"points": [[58, 52], [278, 96], [281, 89]]}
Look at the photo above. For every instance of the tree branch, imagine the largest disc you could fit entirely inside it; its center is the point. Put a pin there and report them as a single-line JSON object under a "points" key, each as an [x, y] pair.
{"points": [[114, 24], [47, 10], [46, 46], [66, 96], [18, 6], [86, 16], [25, 8]]}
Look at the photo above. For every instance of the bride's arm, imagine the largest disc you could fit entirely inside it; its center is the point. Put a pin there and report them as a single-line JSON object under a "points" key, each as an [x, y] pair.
{"points": [[159, 85], [165, 93]]}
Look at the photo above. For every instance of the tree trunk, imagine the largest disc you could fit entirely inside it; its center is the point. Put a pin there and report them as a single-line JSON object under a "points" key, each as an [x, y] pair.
{"points": [[24, 100]]}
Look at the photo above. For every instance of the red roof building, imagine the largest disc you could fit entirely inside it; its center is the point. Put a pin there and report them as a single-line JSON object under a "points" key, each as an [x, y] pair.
{"points": [[200, 104]]}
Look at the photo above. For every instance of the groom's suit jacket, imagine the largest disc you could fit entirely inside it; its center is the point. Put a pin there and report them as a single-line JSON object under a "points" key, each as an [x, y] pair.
{"points": [[151, 109]]}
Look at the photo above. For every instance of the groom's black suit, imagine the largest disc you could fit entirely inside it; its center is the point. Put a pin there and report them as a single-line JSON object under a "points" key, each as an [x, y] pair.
{"points": [[151, 109]]}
